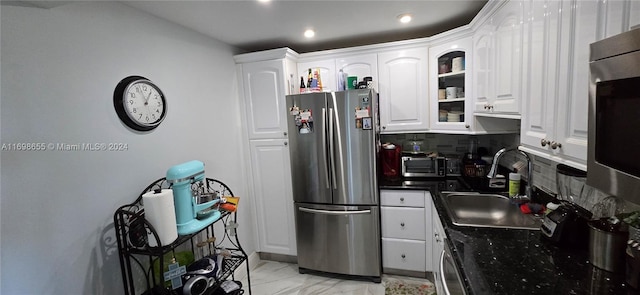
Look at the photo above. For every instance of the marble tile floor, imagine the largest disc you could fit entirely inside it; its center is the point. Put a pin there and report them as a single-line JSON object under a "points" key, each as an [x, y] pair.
{"points": [[277, 278]]}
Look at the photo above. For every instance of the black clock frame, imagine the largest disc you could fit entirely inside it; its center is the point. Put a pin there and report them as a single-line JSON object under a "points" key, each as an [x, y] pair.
{"points": [[119, 101]]}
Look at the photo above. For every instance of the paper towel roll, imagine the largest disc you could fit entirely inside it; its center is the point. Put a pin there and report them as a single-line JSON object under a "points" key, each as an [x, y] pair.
{"points": [[160, 213]]}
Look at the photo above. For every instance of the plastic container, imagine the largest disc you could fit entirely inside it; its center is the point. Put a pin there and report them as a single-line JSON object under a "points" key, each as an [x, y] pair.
{"points": [[514, 184]]}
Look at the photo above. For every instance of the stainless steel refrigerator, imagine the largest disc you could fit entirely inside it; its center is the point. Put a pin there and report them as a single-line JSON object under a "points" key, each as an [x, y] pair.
{"points": [[333, 138]]}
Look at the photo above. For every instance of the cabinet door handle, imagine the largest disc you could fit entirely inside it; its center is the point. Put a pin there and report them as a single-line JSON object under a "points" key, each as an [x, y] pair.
{"points": [[402, 224], [401, 199], [467, 126], [403, 256], [384, 127], [555, 145], [285, 134], [285, 143], [544, 142]]}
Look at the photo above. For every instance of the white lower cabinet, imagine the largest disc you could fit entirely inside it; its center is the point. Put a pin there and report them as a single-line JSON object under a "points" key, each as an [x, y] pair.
{"points": [[438, 247], [271, 183], [406, 231], [403, 254]]}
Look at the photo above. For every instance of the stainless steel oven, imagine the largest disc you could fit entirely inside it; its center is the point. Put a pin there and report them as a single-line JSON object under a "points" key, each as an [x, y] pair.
{"points": [[449, 274], [613, 159]]}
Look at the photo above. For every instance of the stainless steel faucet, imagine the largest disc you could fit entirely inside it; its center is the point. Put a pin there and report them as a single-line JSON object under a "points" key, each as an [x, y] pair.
{"points": [[494, 167]]}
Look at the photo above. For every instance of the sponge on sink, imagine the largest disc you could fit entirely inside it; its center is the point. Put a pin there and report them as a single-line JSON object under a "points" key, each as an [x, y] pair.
{"points": [[532, 208]]}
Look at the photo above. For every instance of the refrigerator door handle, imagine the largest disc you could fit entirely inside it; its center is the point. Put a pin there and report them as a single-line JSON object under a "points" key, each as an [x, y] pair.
{"points": [[324, 145], [329, 212], [332, 147]]}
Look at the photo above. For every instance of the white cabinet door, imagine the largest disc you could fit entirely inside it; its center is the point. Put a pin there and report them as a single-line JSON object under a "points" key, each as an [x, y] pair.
{"points": [[497, 47], [364, 65], [540, 71], [271, 176], [554, 124], [483, 49], [403, 254], [403, 90], [438, 247], [508, 58], [264, 94], [328, 72], [398, 198], [573, 99], [442, 110], [403, 222]]}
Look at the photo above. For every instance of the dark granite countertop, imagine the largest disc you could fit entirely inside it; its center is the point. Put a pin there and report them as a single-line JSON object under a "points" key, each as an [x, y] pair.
{"points": [[508, 261]]}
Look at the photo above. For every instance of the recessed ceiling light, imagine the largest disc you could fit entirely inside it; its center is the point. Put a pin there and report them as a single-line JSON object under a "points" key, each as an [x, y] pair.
{"points": [[404, 18], [309, 33], [264, 1]]}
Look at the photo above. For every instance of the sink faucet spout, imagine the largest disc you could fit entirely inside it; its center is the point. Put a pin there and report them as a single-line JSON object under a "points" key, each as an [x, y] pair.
{"points": [[494, 167]]}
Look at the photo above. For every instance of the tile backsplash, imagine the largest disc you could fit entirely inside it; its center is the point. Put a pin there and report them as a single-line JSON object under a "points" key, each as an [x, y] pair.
{"points": [[544, 170], [455, 144]]}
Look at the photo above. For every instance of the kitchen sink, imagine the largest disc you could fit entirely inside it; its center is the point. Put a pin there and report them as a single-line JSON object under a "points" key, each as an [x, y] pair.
{"points": [[486, 210]]}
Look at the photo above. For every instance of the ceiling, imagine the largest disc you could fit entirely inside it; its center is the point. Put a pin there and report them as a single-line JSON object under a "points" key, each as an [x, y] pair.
{"points": [[252, 26]]}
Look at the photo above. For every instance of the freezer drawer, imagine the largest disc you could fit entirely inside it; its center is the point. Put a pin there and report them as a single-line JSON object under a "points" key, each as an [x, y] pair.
{"points": [[339, 239]]}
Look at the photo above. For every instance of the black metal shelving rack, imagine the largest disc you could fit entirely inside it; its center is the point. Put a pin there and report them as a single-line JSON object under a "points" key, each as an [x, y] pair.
{"points": [[138, 259]]}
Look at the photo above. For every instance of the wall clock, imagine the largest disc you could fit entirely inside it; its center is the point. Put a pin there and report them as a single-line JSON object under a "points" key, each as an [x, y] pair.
{"points": [[139, 103]]}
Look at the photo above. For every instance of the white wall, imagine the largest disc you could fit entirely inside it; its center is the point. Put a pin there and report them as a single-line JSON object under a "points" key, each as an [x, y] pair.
{"points": [[59, 70]]}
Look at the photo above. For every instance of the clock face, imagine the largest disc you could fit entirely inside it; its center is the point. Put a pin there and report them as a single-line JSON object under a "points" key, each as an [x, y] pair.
{"points": [[139, 103], [144, 103]]}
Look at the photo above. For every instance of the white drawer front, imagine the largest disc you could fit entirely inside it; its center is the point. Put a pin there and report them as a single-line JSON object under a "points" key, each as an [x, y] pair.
{"points": [[402, 198], [403, 254], [403, 223]]}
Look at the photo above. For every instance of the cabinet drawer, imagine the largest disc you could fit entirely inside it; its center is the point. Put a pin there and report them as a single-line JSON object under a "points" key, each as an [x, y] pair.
{"points": [[403, 254], [402, 198], [403, 223]]}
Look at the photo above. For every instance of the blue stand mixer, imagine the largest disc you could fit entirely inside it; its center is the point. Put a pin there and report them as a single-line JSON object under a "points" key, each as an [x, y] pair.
{"points": [[182, 177]]}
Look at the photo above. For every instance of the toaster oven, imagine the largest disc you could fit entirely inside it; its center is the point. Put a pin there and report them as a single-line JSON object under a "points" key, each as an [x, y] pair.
{"points": [[416, 166]]}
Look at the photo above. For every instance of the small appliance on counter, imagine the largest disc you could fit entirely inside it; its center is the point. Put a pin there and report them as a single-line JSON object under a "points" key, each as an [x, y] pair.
{"points": [[453, 164], [567, 226], [391, 155], [189, 214], [423, 165]]}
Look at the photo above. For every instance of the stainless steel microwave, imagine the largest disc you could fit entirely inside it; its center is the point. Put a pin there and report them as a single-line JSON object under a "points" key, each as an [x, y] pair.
{"points": [[613, 158]]}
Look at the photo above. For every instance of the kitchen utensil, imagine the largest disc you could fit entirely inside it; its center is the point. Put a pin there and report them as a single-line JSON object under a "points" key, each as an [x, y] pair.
{"points": [[182, 176], [607, 243]]}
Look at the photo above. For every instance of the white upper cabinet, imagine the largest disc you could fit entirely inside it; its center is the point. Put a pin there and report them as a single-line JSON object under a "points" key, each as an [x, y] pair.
{"points": [[265, 87], [328, 73], [450, 90], [497, 46], [403, 90], [362, 65], [556, 68]]}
